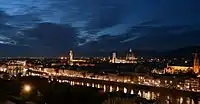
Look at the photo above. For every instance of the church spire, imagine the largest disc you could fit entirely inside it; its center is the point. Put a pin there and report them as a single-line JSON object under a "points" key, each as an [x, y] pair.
{"points": [[196, 63]]}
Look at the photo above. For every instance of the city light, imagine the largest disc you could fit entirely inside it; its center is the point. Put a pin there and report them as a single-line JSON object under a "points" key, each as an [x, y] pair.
{"points": [[27, 88]]}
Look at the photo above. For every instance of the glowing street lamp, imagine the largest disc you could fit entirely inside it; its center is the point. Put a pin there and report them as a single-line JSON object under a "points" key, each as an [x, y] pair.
{"points": [[26, 91], [27, 88]]}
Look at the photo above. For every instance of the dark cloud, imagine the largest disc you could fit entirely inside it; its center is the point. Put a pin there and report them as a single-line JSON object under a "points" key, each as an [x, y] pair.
{"points": [[24, 21], [38, 24], [36, 39], [167, 41], [152, 38], [3, 17], [150, 23], [105, 18], [58, 37]]}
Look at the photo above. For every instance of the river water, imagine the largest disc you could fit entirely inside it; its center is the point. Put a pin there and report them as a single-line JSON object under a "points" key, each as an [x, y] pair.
{"points": [[163, 96]]}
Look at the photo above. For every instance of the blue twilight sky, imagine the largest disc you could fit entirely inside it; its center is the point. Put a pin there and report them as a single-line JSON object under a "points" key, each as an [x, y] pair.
{"points": [[93, 18]]}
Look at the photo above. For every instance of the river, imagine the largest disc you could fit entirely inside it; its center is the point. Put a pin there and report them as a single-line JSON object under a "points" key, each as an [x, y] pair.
{"points": [[165, 96]]}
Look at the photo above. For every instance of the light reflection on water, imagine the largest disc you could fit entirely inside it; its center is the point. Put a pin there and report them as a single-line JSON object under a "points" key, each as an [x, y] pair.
{"points": [[117, 88], [149, 95], [125, 90], [111, 88], [104, 88], [132, 92], [139, 93], [88, 84]]}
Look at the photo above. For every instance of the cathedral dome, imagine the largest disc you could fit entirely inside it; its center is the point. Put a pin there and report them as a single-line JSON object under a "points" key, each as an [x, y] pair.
{"points": [[130, 55]]}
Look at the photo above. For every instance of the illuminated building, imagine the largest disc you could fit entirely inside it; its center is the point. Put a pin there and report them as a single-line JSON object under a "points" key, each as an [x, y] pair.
{"points": [[114, 57], [130, 55], [75, 61], [192, 84], [174, 69], [16, 67], [196, 63], [16, 64], [70, 57], [195, 68], [130, 58], [63, 60]]}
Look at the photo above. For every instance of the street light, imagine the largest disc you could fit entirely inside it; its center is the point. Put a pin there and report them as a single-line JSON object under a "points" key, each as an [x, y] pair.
{"points": [[27, 88]]}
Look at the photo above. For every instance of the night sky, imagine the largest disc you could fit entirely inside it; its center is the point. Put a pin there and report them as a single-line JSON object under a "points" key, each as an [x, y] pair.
{"points": [[51, 27]]}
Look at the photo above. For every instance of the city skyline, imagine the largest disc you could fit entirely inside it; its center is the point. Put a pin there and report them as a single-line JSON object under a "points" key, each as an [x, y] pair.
{"points": [[113, 51]]}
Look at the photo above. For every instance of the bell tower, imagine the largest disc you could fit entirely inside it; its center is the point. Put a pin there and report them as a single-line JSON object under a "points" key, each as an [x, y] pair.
{"points": [[114, 57], [70, 57], [196, 63]]}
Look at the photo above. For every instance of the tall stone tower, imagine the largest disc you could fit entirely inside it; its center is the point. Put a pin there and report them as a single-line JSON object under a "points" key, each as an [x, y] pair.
{"points": [[114, 57], [196, 63], [70, 57]]}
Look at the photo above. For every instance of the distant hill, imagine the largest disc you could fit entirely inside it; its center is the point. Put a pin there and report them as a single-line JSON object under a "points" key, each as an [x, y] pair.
{"points": [[186, 52], [182, 52]]}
